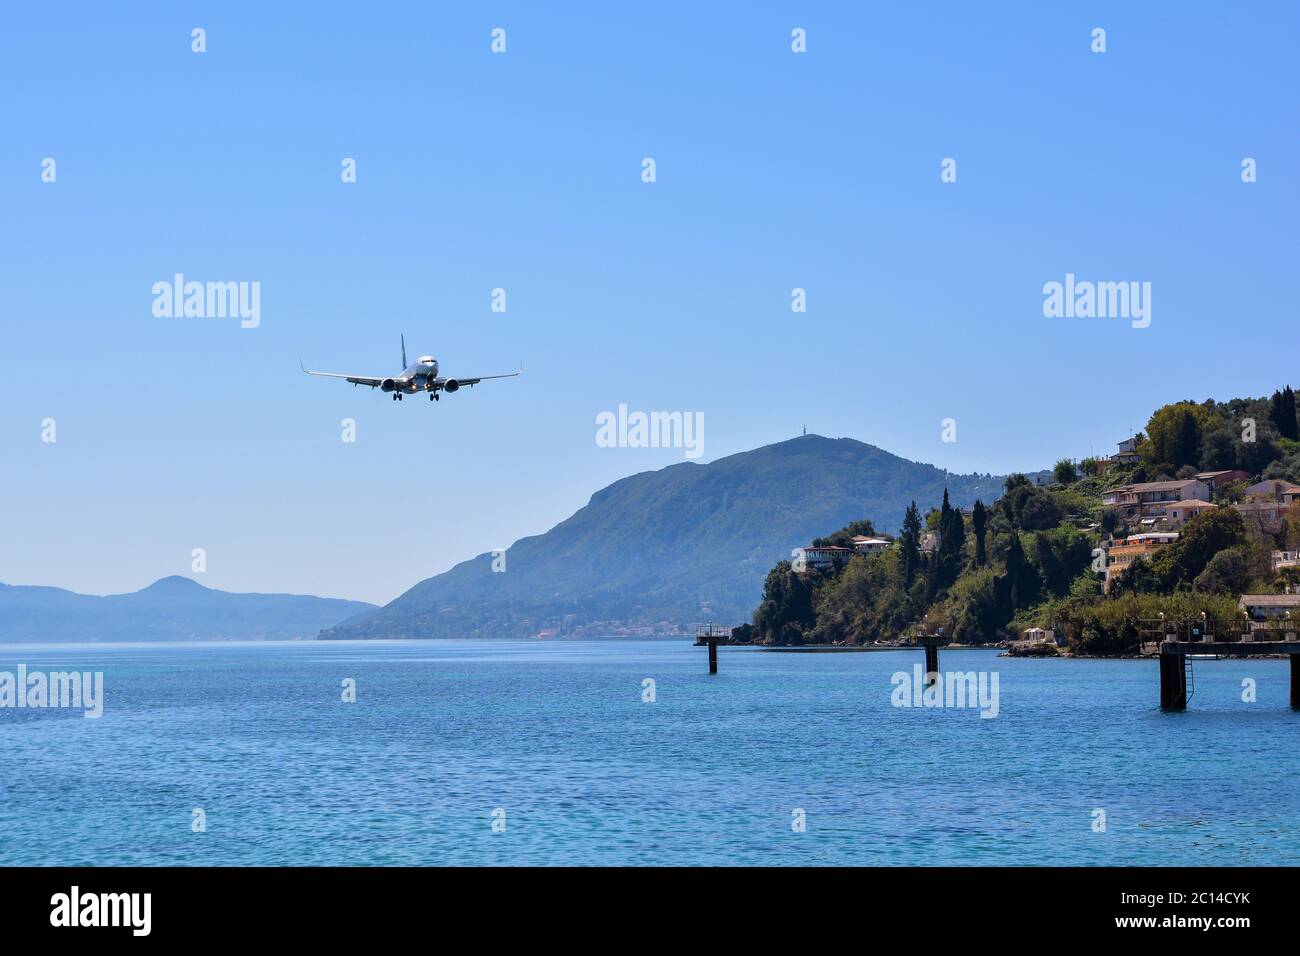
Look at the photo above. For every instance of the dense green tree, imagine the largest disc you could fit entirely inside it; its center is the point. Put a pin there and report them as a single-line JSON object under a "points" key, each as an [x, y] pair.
{"points": [[1086, 587], [1028, 508], [864, 602], [1015, 481], [842, 607], [1138, 578], [952, 536], [785, 613], [1019, 586], [1219, 450], [1286, 468], [1039, 512], [975, 611], [1198, 542], [1255, 457], [979, 522], [1228, 572], [1064, 472], [1174, 435], [1187, 441], [1282, 413], [910, 544], [1061, 555], [952, 528]]}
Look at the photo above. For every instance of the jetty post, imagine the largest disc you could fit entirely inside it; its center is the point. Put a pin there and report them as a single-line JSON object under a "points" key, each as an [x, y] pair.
{"points": [[1295, 681], [710, 634], [931, 641], [1173, 676]]}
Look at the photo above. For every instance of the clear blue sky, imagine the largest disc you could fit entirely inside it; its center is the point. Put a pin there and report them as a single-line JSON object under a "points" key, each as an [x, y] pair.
{"points": [[522, 171]]}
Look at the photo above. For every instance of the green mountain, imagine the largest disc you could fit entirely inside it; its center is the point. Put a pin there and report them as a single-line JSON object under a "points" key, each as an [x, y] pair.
{"points": [[690, 542], [170, 609]]}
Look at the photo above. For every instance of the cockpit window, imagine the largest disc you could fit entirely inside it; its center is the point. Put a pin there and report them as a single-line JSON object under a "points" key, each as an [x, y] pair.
{"points": [[425, 360]]}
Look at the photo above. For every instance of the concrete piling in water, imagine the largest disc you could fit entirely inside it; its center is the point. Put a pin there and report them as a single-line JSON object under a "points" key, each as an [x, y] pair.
{"points": [[1173, 677], [931, 642], [1295, 681], [713, 655], [931, 661]]}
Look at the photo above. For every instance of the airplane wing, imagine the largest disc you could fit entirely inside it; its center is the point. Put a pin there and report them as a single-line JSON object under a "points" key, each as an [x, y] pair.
{"points": [[372, 381], [438, 383]]}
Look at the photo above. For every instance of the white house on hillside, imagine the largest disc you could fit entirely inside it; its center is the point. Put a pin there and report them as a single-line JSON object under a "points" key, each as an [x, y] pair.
{"points": [[865, 545]]}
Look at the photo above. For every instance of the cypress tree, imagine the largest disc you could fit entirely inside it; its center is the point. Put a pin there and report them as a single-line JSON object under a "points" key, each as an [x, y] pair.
{"points": [[1187, 440], [956, 533], [1283, 413], [1015, 569], [910, 542]]}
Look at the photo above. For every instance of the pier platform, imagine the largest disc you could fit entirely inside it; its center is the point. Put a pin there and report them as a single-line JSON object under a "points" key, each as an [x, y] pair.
{"points": [[1177, 683]]}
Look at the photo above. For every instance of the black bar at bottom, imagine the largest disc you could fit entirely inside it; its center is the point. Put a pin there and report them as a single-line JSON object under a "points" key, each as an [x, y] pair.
{"points": [[333, 905]]}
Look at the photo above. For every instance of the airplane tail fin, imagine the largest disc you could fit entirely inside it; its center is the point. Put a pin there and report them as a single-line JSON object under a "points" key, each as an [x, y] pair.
{"points": [[403, 351]]}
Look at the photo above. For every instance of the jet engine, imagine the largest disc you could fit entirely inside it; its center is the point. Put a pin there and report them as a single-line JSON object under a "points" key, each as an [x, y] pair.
{"points": [[451, 385], [388, 385]]}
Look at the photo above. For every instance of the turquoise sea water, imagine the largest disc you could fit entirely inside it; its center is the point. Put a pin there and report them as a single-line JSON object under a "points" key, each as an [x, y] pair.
{"points": [[557, 736]]}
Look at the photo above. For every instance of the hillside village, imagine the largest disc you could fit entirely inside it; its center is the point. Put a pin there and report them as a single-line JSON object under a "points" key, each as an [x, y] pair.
{"points": [[1191, 527]]}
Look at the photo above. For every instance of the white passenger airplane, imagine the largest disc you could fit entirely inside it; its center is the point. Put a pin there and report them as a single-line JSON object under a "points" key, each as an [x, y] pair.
{"points": [[422, 376]]}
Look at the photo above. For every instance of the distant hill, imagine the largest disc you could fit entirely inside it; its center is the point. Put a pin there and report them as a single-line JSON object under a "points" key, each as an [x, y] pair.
{"points": [[689, 542], [171, 609]]}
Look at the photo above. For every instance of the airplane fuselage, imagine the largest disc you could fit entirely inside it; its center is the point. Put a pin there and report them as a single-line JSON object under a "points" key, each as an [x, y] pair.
{"points": [[417, 377]]}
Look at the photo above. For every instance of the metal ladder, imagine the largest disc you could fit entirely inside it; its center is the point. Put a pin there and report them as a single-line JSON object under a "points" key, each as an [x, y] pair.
{"points": [[1189, 677]]}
